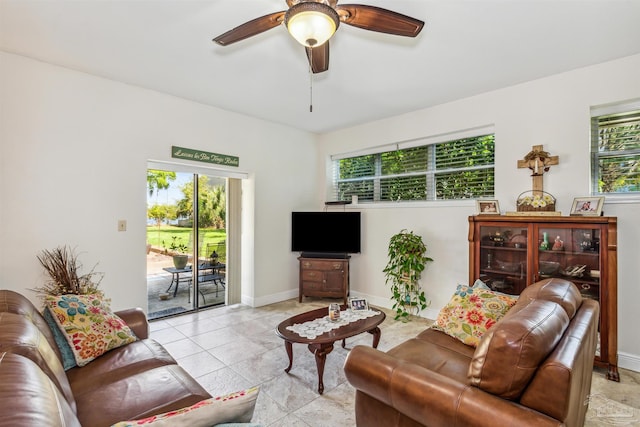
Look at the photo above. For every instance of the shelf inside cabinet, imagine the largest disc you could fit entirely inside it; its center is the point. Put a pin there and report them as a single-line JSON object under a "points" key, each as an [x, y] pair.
{"points": [[504, 248], [585, 253]]}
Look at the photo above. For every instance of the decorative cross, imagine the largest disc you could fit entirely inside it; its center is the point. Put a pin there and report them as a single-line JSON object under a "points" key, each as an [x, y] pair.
{"points": [[538, 161]]}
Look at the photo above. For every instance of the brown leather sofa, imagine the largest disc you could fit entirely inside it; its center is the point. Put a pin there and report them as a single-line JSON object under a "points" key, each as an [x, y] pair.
{"points": [[532, 368], [131, 382]]}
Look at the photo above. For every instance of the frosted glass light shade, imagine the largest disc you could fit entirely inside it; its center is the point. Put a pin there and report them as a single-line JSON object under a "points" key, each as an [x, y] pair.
{"points": [[311, 24]]}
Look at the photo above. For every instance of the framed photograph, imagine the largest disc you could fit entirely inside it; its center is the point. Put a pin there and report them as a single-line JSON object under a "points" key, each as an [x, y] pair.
{"points": [[358, 304], [487, 207], [587, 206]]}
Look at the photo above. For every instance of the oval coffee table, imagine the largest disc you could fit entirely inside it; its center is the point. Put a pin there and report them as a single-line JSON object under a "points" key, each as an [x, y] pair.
{"points": [[322, 345]]}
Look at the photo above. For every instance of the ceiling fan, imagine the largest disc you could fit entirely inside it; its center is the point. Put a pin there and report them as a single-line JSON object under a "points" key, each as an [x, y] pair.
{"points": [[313, 22]]}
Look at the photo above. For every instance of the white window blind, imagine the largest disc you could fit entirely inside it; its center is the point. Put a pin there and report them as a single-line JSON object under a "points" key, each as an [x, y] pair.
{"points": [[615, 152], [456, 169]]}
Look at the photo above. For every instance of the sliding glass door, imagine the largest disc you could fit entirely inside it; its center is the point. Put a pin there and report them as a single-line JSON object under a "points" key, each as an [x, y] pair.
{"points": [[186, 241]]}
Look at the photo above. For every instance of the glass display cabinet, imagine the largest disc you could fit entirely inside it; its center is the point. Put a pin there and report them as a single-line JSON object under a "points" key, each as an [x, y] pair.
{"points": [[511, 252]]}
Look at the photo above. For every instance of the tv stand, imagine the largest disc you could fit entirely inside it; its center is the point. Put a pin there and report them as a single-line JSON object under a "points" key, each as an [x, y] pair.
{"points": [[324, 277]]}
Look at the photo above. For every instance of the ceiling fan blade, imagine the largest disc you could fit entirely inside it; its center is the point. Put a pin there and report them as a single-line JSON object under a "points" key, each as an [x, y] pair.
{"points": [[318, 58], [381, 20], [251, 28]]}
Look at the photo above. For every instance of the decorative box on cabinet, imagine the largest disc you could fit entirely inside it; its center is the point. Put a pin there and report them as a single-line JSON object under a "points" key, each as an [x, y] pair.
{"points": [[510, 253], [324, 277]]}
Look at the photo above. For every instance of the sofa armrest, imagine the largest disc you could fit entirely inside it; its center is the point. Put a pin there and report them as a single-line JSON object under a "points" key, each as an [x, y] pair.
{"points": [[136, 320], [430, 398]]}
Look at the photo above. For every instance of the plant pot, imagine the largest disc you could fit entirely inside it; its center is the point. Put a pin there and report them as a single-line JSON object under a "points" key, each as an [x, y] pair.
{"points": [[180, 261]]}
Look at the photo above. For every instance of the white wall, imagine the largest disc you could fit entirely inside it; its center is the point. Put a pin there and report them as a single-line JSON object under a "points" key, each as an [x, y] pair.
{"points": [[553, 111], [73, 158]]}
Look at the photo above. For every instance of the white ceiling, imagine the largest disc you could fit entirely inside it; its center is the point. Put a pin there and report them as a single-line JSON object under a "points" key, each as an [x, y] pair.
{"points": [[466, 48]]}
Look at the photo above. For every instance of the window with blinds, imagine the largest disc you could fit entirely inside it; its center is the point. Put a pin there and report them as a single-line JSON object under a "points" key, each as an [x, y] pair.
{"points": [[615, 153], [457, 169]]}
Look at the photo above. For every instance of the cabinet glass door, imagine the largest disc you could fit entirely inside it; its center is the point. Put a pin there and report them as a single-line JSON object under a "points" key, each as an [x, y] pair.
{"points": [[572, 254], [503, 258]]}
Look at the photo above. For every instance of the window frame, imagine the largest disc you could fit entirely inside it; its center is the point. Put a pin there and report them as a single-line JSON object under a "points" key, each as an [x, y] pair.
{"points": [[429, 172], [598, 113]]}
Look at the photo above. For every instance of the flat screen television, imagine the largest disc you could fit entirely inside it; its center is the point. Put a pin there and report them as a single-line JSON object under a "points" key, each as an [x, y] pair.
{"points": [[332, 234]]}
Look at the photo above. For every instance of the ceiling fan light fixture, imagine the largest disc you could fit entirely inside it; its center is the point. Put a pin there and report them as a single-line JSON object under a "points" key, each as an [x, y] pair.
{"points": [[311, 23]]}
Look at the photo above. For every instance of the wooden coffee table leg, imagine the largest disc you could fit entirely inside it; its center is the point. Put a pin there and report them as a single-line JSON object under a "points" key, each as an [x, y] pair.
{"points": [[376, 336], [320, 351], [289, 347]]}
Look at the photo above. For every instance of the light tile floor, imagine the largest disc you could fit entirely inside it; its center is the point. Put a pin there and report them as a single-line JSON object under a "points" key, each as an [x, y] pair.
{"points": [[235, 347]]}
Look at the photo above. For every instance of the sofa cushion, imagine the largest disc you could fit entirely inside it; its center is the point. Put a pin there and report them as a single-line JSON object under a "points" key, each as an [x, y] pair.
{"points": [[233, 407], [29, 397], [557, 290], [119, 363], [139, 395], [436, 351], [471, 312], [559, 387], [19, 335], [91, 329], [520, 341], [13, 302]]}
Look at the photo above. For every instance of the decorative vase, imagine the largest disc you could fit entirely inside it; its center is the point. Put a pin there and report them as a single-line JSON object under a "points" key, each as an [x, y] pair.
{"points": [[545, 242]]}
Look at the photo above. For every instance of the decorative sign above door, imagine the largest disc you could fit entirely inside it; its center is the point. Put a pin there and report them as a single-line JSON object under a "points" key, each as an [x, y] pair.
{"points": [[204, 156]]}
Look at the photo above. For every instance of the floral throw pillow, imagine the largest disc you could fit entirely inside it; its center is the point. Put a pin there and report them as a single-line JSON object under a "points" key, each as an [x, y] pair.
{"points": [[471, 312], [235, 407], [89, 326]]}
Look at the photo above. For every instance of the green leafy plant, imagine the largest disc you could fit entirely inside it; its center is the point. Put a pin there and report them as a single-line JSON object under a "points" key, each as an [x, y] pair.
{"points": [[407, 261], [176, 245], [63, 270]]}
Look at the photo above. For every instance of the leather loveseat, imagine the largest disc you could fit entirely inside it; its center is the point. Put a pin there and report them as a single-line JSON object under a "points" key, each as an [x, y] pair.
{"points": [[131, 382], [532, 368]]}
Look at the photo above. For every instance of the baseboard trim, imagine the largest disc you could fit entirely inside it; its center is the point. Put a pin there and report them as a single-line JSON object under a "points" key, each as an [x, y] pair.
{"points": [[629, 361], [270, 299]]}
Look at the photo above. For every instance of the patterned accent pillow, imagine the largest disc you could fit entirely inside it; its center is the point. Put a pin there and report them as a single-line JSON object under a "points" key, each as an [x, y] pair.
{"points": [[235, 407], [471, 312], [88, 325]]}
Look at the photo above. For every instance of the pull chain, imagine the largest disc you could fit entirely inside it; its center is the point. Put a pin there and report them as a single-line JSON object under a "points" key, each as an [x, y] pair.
{"points": [[310, 81]]}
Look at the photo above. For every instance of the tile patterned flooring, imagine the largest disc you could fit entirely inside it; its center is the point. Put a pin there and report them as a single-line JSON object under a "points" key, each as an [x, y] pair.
{"points": [[235, 347]]}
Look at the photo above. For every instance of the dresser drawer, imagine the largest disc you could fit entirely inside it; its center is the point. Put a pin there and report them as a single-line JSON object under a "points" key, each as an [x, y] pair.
{"points": [[312, 276], [321, 265], [312, 286]]}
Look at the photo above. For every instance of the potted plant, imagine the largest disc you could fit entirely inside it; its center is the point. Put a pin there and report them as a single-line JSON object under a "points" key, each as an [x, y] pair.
{"points": [[407, 260], [178, 251]]}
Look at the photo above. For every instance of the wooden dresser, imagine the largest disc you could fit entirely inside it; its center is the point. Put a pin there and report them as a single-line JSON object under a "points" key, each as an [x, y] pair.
{"points": [[324, 277]]}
